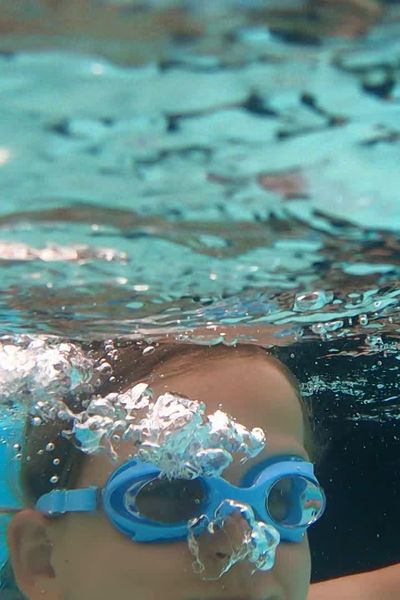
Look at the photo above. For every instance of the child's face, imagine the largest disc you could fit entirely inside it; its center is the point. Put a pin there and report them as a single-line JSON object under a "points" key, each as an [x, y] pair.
{"points": [[91, 560]]}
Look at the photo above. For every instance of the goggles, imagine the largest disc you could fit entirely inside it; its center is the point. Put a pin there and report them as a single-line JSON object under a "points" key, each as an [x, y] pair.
{"points": [[147, 507]]}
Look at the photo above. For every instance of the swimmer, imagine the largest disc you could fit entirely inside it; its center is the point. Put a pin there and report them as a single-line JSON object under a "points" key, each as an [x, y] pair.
{"points": [[83, 556]]}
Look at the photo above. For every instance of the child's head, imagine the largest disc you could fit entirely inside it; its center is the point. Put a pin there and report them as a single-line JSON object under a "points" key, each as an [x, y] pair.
{"points": [[82, 556]]}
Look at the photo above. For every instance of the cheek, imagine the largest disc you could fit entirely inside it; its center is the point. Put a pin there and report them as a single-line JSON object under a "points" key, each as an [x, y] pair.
{"points": [[93, 561], [293, 569]]}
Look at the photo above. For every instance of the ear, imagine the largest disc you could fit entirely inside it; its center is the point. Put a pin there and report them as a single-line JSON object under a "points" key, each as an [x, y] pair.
{"points": [[31, 553]]}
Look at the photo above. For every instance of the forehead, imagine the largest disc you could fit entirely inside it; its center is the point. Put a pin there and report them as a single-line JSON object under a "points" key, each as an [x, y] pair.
{"points": [[250, 388]]}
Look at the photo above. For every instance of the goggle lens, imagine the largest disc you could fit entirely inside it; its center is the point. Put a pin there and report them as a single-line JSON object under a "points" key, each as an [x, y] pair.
{"points": [[167, 502], [294, 501]]}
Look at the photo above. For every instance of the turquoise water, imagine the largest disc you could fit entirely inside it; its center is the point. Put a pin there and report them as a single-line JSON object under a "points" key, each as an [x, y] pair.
{"points": [[236, 187], [9, 470]]}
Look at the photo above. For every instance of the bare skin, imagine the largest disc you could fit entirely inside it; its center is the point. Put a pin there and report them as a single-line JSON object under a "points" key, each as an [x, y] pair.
{"points": [[82, 557], [380, 584]]}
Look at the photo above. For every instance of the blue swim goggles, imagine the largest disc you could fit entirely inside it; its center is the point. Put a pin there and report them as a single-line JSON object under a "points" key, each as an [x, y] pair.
{"points": [[282, 492]]}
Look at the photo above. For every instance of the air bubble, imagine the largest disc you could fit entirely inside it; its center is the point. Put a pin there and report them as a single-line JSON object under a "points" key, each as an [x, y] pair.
{"points": [[312, 300], [374, 340], [54, 479], [36, 421], [148, 350], [105, 368], [50, 447], [63, 414], [334, 325], [17, 447], [318, 328], [56, 461], [363, 319], [355, 296]]}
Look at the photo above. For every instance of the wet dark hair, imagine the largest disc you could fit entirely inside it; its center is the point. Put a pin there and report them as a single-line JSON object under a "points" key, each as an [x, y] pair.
{"points": [[129, 366]]}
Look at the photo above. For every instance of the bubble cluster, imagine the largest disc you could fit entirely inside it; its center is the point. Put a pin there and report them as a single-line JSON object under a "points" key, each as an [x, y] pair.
{"points": [[182, 441], [39, 373], [34, 370], [236, 535], [170, 431]]}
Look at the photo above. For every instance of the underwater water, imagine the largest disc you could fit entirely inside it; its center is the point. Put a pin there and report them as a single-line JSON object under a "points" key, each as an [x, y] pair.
{"points": [[241, 185]]}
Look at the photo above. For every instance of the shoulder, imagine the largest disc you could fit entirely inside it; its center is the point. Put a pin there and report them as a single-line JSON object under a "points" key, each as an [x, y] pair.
{"points": [[381, 584]]}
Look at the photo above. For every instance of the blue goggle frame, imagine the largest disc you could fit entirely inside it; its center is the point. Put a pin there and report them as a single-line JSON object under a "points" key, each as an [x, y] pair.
{"points": [[258, 482]]}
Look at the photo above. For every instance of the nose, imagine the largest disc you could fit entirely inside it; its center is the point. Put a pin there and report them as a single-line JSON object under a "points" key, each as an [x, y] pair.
{"points": [[239, 582], [231, 537]]}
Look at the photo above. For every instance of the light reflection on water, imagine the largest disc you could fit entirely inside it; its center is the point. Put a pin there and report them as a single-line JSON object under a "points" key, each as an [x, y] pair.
{"points": [[129, 206]]}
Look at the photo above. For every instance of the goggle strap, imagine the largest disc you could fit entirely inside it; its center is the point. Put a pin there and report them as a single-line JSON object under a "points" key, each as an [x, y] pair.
{"points": [[59, 502]]}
